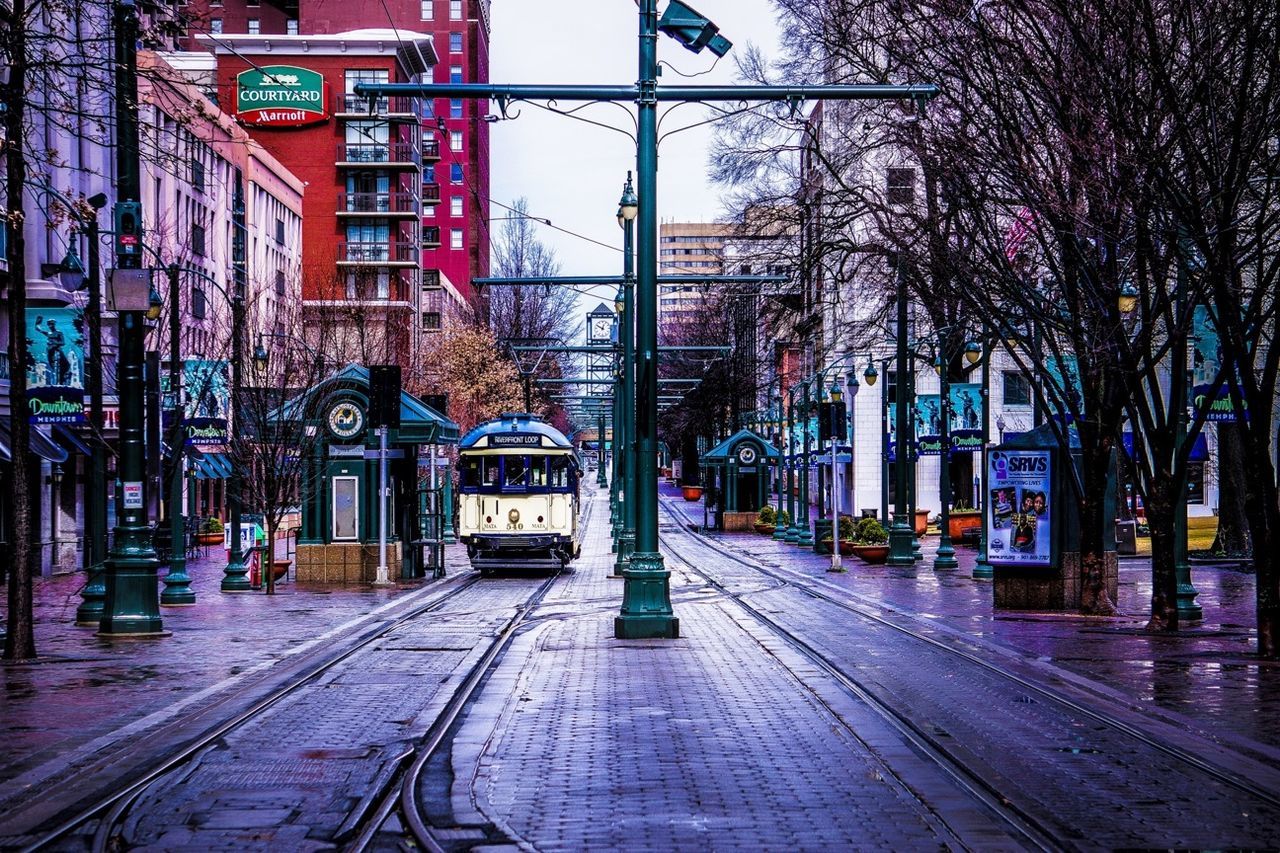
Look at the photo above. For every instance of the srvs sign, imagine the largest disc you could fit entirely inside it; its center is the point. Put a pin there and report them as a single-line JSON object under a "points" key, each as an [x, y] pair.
{"points": [[281, 96]]}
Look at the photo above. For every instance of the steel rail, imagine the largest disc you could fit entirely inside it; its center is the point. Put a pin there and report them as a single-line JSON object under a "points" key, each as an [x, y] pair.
{"points": [[1239, 783], [117, 803]]}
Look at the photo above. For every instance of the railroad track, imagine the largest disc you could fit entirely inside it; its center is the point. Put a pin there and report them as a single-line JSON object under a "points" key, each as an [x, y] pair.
{"points": [[1032, 826], [102, 817]]}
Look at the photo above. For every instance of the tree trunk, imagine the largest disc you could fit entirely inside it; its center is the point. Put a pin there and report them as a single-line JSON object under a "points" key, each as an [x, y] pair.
{"points": [[1232, 539], [1262, 508], [1095, 600], [19, 643], [269, 555], [1164, 579]]}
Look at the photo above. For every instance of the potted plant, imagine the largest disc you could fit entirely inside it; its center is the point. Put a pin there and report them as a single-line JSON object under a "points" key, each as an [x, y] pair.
{"points": [[691, 491], [963, 522], [846, 529], [766, 520], [921, 521], [870, 540], [210, 532]]}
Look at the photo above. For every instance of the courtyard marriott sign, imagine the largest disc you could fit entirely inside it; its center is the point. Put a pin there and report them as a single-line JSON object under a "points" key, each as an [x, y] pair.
{"points": [[281, 96]]}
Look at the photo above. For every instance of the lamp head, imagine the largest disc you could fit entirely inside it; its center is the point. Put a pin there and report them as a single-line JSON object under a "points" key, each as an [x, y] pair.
{"points": [[1128, 299], [71, 268], [628, 205], [154, 305], [261, 358], [836, 395], [98, 201], [972, 352], [870, 374]]}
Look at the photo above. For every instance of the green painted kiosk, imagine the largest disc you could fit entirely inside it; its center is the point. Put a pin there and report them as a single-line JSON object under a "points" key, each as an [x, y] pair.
{"points": [[338, 540], [739, 471]]}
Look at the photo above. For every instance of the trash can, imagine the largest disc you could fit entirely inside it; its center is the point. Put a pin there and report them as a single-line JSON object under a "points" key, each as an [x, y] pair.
{"points": [[821, 530]]}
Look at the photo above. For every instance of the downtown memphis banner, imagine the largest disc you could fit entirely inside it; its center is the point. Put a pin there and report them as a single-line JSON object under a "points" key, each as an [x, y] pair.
{"points": [[1205, 365], [1019, 525], [205, 412], [965, 422], [55, 365]]}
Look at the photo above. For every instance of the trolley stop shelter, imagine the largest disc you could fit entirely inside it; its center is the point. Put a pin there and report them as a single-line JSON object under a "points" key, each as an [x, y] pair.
{"points": [[739, 476], [338, 539]]}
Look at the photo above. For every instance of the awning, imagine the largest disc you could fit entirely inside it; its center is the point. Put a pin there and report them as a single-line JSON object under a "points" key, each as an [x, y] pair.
{"points": [[41, 444], [1199, 449], [212, 466], [68, 438]]}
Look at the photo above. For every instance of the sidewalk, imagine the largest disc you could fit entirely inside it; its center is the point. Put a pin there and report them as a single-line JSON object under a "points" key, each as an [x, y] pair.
{"points": [[1207, 672]]}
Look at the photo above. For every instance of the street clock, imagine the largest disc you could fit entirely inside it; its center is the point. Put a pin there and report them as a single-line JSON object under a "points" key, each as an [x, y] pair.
{"points": [[747, 454], [600, 325]]}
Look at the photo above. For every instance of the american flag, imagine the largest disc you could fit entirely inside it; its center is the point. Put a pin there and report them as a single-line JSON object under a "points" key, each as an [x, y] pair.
{"points": [[1023, 227]]}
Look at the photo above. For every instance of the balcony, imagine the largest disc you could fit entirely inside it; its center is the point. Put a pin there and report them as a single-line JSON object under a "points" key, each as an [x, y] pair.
{"points": [[431, 237], [430, 193], [382, 205], [391, 155], [375, 291], [431, 149], [399, 108], [396, 253]]}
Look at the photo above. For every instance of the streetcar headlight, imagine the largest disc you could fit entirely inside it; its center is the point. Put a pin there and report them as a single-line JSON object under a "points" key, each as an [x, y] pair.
{"points": [[513, 516]]}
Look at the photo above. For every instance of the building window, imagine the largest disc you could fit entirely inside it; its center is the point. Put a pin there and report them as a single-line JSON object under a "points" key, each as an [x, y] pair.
{"points": [[426, 10], [455, 42], [429, 174], [291, 27], [455, 10], [428, 210], [280, 288], [1017, 390], [280, 231], [215, 26], [254, 27], [197, 240], [455, 238], [253, 2], [455, 108], [900, 186], [199, 307], [455, 205], [455, 173], [197, 175], [431, 320], [455, 73], [455, 140]]}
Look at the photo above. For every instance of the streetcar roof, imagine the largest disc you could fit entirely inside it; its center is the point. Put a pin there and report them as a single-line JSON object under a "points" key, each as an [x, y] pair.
{"points": [[516, 431]]}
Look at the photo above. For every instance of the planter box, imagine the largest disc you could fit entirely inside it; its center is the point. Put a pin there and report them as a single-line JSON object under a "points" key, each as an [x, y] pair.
{"points": [[874, 554], [964, 525], [280, 568], [691, 493], [764, 529], [209, 538], [921, 521]]}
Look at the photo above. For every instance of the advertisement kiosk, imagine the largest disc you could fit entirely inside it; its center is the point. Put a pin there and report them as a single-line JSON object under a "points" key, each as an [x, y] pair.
{"points": [[1033, 525]]}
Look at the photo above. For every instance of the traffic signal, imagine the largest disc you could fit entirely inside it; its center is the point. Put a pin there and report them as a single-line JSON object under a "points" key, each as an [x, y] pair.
{"points": [[128, 222], [384, 395]]}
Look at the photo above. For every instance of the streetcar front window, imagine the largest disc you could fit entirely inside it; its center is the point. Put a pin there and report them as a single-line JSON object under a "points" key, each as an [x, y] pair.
{"points": [[559, 472], [469, 476], [537, 472], [515, 473], [491, 474]]}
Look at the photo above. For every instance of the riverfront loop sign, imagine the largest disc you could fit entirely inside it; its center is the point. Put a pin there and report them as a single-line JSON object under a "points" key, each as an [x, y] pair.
{"points": [[281, 96]]}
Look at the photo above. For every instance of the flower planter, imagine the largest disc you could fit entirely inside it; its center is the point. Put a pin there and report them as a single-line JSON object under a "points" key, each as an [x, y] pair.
{"points": [[846, 547], [209, 538], [691, 493], [874, 554], [280, 568], [765, 529], [964, 525], [921, 521]]}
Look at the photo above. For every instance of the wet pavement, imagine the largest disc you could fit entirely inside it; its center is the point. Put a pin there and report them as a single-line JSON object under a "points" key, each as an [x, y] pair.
{"points": [[727, 738]]}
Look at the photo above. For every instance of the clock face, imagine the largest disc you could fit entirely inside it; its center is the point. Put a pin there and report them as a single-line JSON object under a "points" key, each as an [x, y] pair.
{"points": [[747, 455], [345, 419], [601, 329]]}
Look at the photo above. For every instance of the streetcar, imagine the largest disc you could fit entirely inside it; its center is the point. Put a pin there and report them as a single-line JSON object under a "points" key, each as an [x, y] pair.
{"points": [[518, 487]]}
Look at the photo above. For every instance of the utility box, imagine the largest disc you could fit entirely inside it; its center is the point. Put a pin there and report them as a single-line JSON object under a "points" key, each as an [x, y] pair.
{"points": [[1126, 537]]}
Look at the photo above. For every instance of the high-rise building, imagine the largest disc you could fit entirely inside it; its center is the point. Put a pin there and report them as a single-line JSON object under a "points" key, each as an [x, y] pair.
{"points": [[396, 200]]}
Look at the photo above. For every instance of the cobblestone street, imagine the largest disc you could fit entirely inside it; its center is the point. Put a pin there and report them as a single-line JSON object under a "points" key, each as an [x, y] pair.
{"points": [[799, 709]]}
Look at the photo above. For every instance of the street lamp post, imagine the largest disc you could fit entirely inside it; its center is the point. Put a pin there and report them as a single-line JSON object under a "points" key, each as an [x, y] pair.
{"points": [[131, 606], [901, 533], [177, 583], [234, 576], [837, 399], [982, 569], [946, 556], [628, 207], [793, 528]]}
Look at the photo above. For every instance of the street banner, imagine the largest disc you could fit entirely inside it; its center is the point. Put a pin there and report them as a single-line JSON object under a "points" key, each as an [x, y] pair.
{"points": [[208, 402], [893, 432], [1206, 364], [55, 366], [1064, 372], [928, 415], [966, 417], [1019, 523]]}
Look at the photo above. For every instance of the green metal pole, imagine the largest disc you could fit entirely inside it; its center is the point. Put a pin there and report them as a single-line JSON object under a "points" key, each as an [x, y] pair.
{"points": [[884, 443], [615, 522], [177, 584], [946, 556], [646, 597], [805, 539], [234, 576], [900, 534], [131, 606], [780, 529], [983, 569], [626, 497], [793, 527], [602, 480], [450, 536], [90, 611], [1188, 609]]}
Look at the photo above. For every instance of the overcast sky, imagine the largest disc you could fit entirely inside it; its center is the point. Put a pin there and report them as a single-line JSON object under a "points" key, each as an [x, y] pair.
{"points": [[571, 172]]}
